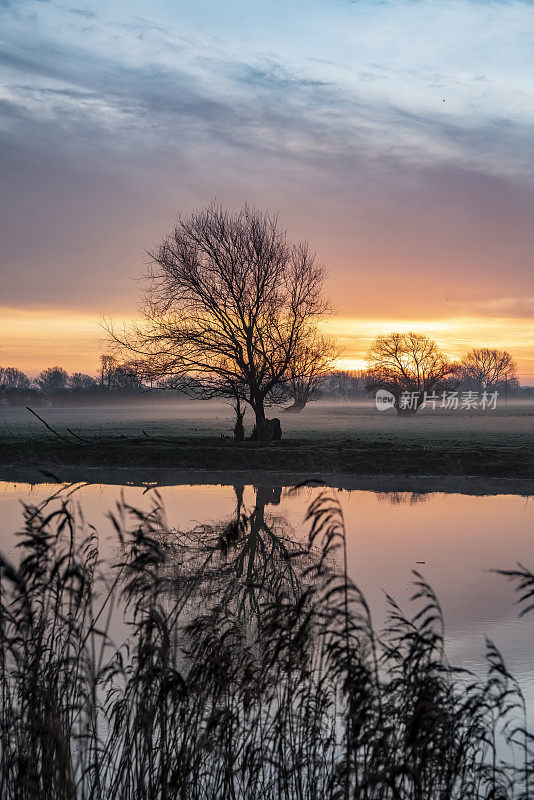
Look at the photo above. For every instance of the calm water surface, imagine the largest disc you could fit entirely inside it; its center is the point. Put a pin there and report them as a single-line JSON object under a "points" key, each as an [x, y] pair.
{"points": [[459, 537]]}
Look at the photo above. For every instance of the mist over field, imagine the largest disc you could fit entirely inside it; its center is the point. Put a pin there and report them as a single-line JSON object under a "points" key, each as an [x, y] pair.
{"points": [[182, 417]]}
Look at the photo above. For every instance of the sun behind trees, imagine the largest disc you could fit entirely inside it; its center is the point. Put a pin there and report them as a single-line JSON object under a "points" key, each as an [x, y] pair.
{"points": [[231, 306], [408, 363]]}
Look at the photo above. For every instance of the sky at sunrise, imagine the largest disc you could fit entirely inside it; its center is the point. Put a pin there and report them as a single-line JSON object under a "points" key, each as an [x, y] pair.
{"points": [[396, 136]]}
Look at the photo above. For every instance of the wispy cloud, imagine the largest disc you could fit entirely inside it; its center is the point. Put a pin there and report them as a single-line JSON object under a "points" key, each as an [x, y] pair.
{"points": [[177, 83]]}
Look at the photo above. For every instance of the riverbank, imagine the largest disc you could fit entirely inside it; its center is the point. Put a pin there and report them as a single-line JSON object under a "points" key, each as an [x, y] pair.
{"points": [[158, 478], [367, 454], [327, 438]]}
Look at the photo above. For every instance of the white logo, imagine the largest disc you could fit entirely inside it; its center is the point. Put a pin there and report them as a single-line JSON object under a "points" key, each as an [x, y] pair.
{"points": [[384, 400]]}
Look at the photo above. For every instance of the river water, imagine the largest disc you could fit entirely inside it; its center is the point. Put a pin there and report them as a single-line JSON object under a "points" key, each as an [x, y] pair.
{"points": [[454, 535]]}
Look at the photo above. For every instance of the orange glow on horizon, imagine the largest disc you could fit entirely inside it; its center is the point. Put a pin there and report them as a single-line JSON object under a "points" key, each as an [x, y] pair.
{"points": [[34, 339], [455, 335]]}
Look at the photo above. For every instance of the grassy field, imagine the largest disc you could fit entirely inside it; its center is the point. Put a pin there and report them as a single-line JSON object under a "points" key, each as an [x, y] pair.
{"points": [[326, 437]]}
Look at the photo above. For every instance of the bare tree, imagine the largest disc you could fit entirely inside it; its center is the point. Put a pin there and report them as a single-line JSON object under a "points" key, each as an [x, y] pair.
{"points": [[12, 379], [489, 369], [53, 379], [345, 384], [126, 378], [118, 376], [408, 362], [80, 382], [108, 365], [308, 368], [230, 302]]}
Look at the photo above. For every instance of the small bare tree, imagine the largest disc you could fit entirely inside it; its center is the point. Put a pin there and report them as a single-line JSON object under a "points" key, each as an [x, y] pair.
{"points": [[13, 380], [230, 303], [345, 384], [80, 382], [108, 365], [239, 430], [308, 369], [489, 369], [53, 379], [408, 362]]}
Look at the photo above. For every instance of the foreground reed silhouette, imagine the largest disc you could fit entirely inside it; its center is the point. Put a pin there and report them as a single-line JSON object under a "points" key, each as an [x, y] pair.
{"points": [[251, 670]]}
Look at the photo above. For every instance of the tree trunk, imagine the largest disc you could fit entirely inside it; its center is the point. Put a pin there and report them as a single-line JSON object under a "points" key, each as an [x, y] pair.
{"points": [[296, 408], [259, 411], [265, 430], [239, 431], [406, 412], [409, 412]]}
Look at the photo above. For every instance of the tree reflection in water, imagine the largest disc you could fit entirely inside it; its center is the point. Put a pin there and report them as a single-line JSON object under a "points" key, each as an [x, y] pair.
{"points": [[243, 561], [402, 498]]}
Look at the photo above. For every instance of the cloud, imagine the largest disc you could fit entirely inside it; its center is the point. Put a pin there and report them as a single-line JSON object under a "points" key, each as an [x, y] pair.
{"points": [[82, 12], [180, 85], [515, 307]]}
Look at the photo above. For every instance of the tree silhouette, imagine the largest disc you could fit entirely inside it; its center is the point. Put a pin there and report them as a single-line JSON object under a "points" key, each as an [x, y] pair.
{"points": [[230, 302], [80, 382], [489, 369], [12, 379], [53, 379], [408, 362], [309, 368]]}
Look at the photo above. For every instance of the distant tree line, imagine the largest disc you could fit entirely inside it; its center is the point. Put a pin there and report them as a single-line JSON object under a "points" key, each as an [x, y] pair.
{"points": [[480, 370], [55, 384]]}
